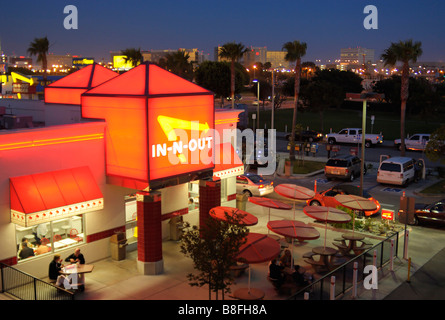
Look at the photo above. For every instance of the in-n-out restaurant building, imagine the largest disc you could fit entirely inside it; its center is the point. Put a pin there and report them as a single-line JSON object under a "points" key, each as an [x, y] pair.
{"points": [[148, 142]]}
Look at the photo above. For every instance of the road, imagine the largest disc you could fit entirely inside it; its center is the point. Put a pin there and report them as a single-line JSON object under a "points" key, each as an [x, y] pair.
{"points": [[371, 154]]}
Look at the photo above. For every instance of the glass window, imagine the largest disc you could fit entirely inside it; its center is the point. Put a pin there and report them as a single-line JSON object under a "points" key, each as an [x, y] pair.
{"points": [[415, 138], [49, 237], [343, 132], [392, 167], [352, 132], [131, 218], [337, 163]]}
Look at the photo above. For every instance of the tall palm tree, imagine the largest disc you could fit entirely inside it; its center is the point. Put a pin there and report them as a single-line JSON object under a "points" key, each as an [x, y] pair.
{"points": [[232, 51], [39, 47], [132, 55], [295, 50], [405, 52]]}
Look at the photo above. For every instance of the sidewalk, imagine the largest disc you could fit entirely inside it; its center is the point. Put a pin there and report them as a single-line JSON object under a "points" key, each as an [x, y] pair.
{"points": [[119, 280]]}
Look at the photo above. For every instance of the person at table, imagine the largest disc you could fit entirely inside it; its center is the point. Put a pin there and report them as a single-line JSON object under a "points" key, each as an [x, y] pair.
{"points": [[55, 271], [276, 272], [286, 259], [76, 257], [25, 251], [41, 248]]}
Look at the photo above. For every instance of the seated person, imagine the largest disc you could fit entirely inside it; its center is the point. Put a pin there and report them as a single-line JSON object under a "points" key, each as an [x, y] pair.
{"points": [[298, 277], [25, 251], [55, 271], [276, 272], [76, 257], [41, 248], [286, 259]]}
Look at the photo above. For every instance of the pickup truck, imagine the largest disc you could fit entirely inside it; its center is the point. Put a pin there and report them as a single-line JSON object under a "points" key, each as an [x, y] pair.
{"points": [[353, 135], [415, 142]]}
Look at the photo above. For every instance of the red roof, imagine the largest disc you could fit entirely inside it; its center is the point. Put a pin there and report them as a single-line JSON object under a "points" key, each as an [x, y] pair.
{"points": [[68, 89]]}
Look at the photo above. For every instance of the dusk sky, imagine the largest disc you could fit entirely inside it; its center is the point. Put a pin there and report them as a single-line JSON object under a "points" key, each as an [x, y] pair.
{"points": [[325, 25]]}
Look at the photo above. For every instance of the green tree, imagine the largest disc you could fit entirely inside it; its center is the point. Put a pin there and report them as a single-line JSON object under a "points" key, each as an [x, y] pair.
{"points": [[319, 95], [132, 55], [233, 51], [178, 63], [213, 248], [215, 76], [39, 47], [435, 148], [405, 52], [295, 51]]}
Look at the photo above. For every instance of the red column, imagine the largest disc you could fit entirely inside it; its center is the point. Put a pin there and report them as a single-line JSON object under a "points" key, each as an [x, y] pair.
{"points": [[149, 233], [209, 197]]}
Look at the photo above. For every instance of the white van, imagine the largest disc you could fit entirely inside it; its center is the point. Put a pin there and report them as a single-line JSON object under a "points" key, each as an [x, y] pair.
{"points": [[397, 170]]}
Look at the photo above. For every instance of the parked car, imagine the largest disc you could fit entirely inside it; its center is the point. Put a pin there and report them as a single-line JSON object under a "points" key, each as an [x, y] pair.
{"points": [[327, 198], [434, 213], [253, 185], [354, 135], [415, 142], [343, 167], [306, 135], [397, 170]]}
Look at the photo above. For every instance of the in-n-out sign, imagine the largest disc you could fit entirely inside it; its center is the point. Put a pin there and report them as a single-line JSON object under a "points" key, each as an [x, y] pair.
{"points": [[170, 126], [151, 113]]}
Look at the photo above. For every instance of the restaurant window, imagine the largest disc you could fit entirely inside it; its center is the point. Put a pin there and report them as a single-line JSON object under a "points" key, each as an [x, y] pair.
{"points": [[49, 237], [193, 195], [131, 214], [223, 190]]}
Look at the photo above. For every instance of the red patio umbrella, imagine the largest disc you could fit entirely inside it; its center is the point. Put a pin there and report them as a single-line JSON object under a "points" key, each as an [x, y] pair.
{"points": [[221, 213], [327, 214], [293, 229], [355, 203], [258, 248], [294, 192], [270, 203]]}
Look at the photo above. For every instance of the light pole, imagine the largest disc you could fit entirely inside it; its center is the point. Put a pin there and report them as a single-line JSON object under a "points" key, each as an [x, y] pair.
{"points": [[258, 105]]}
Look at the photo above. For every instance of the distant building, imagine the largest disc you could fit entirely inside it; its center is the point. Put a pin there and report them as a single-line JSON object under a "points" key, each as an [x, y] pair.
{"points": [[276, 58], [20, 61], [59, 61], [254, 55], [357, 56]]}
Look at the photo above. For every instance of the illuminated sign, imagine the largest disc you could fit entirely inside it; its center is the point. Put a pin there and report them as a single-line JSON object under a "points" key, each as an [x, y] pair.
{"points": [[80, 62], [119, 63], [158, 124], [68, 89], [387, 214]]}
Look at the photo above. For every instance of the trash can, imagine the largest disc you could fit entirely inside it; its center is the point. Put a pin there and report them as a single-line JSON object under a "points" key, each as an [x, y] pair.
{"points": [[118, 243], [176, 227], [287, 165], [241, 200]]}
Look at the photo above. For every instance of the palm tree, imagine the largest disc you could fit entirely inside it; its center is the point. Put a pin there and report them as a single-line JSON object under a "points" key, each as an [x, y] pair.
{"points": [[132, 55], [39, 47], [232, 51], [295, 50], [178, 63], [405, 52]]}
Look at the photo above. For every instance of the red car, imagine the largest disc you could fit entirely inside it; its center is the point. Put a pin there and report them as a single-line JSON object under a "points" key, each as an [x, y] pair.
{"points": [[326, 198]]}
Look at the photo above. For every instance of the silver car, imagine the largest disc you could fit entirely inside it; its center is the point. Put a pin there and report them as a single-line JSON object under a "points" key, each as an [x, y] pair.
{"points": [[253, 185]]}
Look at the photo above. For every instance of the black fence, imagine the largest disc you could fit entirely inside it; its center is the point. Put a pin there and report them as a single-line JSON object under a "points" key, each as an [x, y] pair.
{"points": [[26, 287], [321, 288]]}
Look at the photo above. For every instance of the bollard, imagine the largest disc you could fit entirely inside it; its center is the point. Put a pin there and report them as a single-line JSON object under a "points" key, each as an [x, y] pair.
{"points": [[374, 260], [405, 249], [391, 256], [333, 288], [409, 270], [306, 296], [354, 281]]}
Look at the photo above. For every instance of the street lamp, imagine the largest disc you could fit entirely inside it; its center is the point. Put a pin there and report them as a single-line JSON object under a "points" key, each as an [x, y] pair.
{"points": [[258, 105]]}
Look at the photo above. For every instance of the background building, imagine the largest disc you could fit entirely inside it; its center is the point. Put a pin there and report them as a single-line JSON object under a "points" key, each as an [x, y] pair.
{"points": [[357, 56]]}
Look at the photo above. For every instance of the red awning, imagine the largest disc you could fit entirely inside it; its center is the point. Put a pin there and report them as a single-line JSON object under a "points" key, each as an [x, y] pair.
{"points": [[48, 196], [228, 163]]}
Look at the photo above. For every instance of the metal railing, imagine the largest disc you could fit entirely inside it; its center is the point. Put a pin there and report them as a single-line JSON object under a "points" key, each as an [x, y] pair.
{"points": [[320, 289], [26, 287]]}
